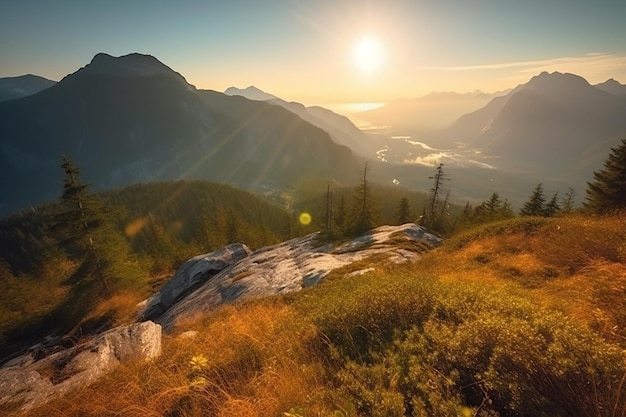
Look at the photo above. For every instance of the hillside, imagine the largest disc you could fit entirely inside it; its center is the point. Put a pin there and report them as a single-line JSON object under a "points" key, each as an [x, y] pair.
{"points": [[133, 119], [513, 318], [556, 126], [12, 88], [158, 227]]}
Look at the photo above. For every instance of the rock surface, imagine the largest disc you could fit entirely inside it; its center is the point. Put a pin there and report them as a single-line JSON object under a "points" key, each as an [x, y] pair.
{"points": [[27, 382], [297, 264], [193, 273]]}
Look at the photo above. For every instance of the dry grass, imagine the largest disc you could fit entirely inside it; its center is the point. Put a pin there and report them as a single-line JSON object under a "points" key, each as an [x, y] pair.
{"points": [[267, 357], [577, 264], [252, 360]]}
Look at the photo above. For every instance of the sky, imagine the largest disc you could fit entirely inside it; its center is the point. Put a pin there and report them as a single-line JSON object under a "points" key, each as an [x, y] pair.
{"points": [[325, 51]]}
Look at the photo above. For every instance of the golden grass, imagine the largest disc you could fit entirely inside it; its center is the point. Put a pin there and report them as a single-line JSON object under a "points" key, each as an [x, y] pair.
{"points": [[255, 360], [576, 264], [264, 358]]}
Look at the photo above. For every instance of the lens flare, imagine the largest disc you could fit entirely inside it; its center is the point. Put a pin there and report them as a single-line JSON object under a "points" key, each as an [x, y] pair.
{"points": [[305, 218]]}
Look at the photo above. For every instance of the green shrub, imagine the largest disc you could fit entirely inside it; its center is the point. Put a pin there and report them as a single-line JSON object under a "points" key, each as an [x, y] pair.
{"points": [[407, 345]]}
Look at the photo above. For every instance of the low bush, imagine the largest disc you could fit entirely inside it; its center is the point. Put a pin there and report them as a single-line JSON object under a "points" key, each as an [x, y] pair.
{"points": [[408, 345]]}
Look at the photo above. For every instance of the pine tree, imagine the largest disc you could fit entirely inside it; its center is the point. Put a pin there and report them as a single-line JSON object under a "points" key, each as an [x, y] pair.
{"points": [[506, 211], [363, 212], [432, 217], [567, 202], [84, 228], [607, 192], [79, 220], [403, 213], [535, 204], [552, 208], [340, 217]]}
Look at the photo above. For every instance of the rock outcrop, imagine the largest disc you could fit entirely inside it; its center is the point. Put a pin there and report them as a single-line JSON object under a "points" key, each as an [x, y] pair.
{"points": [[296, 264], [191, 275], [26, 382]]}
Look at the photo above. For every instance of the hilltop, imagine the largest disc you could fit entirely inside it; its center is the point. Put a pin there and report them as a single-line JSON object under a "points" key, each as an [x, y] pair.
{"points": [[511, 318]]}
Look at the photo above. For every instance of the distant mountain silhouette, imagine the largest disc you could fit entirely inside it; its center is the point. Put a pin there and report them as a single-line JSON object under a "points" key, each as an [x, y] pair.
{"points": [[341, 129], [613, 87], [133, 119], [433, 111], [556, 124], [25, 85]]}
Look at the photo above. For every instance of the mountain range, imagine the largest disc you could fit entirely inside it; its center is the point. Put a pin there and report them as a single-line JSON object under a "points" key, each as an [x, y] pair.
{"points": [[556, 125], [133, 119]]}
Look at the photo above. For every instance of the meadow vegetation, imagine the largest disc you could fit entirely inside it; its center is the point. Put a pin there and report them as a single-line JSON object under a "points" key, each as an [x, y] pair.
{"points": [[522, 317]]}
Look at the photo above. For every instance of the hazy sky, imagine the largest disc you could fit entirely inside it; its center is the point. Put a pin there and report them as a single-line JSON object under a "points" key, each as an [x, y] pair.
{"points": [[304, 50]]}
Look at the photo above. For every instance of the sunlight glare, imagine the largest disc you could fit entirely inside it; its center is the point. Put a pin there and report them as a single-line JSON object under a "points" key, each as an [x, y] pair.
{"points": [[368, 55]]}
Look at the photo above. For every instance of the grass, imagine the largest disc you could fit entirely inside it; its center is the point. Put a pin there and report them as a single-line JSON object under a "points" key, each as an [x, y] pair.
{"points": [[518, 318]]}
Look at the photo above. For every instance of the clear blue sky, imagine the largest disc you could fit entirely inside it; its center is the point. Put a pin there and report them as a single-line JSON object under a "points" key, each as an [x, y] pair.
{"points": [[303, 50]]}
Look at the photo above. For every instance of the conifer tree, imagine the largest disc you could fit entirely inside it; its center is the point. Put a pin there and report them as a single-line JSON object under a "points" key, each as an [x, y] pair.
{"points": [[535, 204], [340, 216], [363, 212], [607, 192], [83, 227], [506, 211], [567, 202], [432, 216], [403, 213], [80, 218], [552, 208]]}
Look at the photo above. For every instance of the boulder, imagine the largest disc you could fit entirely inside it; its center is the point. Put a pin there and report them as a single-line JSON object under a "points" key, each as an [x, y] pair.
{"points": [[191, 275], [28, 383], [296, 264]]}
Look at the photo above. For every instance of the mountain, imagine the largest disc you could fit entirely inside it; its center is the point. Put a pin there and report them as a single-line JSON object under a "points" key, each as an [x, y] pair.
{"points": [[613, 87], [341, 129], [556, 125], [433, 111], [133, 119], [25, 85]]}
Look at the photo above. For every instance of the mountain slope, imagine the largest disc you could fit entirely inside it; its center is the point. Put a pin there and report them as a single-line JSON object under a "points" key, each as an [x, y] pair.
{"points": [[613, 87], [341, 129], [131, 119], [556, 124], [433, 111], [25, 85]]}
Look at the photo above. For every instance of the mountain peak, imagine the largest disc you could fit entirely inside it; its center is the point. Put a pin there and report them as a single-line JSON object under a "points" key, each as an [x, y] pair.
{"points": [[612, 86], [251, 93], [555, 83], [131, 65]]}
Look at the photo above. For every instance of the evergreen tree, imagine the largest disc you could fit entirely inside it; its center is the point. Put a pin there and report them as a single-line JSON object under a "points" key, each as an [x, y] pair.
{"points": [[432, 217], [340, 217], [83, 226], [363, 212], [80, 218], [552, 208], [506, 211], [403, 213], [535, 204], [489, 209], [607, 192], [567, 202], [327, 227]]}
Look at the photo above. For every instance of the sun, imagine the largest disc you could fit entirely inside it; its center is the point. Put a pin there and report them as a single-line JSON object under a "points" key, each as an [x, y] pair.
{"points": [[368, 55]]}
